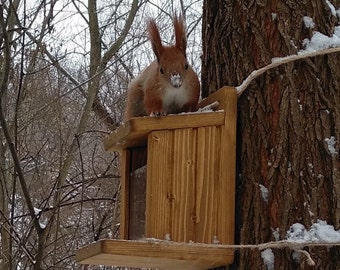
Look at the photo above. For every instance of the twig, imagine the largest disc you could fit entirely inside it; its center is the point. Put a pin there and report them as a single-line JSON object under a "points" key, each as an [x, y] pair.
{"points": [[280, 61], [209, 107], [295, 245]]}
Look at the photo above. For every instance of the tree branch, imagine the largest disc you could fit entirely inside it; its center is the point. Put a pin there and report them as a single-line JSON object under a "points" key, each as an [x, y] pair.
{"points": [[280, 61], [93, 88]]}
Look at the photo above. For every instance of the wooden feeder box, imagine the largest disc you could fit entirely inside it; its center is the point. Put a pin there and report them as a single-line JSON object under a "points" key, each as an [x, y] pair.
{"points": [[178, 190]]}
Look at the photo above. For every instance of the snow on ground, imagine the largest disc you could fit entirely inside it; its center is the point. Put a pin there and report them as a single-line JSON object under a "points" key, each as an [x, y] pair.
{"points": [[319, 232]]}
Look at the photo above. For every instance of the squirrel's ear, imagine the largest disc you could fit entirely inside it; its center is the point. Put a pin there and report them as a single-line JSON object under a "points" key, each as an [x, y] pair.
{"points": [[181, 38], [155, 38]]}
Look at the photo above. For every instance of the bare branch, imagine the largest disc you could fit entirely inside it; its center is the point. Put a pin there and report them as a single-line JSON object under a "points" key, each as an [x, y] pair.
{"points": [[280, 61]]}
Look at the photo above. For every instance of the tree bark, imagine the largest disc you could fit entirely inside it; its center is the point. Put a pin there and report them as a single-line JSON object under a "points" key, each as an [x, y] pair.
{"points": [[284, 121]]}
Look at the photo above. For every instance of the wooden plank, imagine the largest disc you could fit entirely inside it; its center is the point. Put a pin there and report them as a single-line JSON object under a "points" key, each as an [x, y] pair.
{"points": [[183, 185], [207, 189], [226, 214], [221, 96], [135, 131], [124, 160], [153, 254], [159, 198]]}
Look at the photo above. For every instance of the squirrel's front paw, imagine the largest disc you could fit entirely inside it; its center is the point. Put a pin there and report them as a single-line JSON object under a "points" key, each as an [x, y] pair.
{"points": [[158, 113]]}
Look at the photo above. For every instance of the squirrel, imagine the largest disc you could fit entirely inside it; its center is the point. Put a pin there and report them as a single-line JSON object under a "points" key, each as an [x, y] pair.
{"points": [[168, 85]]}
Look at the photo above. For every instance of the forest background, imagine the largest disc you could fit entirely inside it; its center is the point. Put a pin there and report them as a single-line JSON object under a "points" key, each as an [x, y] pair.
{"points": [[64, 70]]}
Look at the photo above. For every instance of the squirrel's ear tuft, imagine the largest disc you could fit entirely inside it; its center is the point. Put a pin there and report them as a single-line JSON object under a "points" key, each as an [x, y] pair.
{"points": [[155, 38], [181, 38]]}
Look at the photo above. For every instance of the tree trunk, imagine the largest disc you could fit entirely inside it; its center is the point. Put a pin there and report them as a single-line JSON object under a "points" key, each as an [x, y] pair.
{"points": [[287, 119]]}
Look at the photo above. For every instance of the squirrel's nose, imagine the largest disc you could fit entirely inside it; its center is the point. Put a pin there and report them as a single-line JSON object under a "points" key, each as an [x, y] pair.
{"points": [[176, 80]]}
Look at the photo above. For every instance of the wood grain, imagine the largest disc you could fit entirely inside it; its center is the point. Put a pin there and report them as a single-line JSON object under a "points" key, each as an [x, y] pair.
{"points": [[135, 131], [190, 189], [159, 199], [156, 255]]}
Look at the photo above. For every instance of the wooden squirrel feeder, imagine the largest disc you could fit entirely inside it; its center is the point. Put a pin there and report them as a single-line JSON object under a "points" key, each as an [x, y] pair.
{"points": [[178, 186]]}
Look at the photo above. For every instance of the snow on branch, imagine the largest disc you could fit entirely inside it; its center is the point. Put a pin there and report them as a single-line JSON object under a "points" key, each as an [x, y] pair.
{"points": [[280, 61], [298, 237], [319, 44]]}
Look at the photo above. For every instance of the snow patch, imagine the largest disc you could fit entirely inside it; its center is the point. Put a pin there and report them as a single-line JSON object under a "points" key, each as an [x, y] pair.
{"points": [[140, 171], [176, 80], [319, 232], [308, 21], [320, 41], [37, 211], [268, 258], [331, 142], [264, 192], [274, 16], [331, 6]]}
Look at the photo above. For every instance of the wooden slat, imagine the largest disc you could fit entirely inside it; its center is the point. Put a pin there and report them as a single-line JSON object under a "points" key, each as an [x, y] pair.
{"points": [[221, 96], [157, 255], [135, 131], [206, 186], [159, 200], [226, 213], [183, 189], [124, 193]]}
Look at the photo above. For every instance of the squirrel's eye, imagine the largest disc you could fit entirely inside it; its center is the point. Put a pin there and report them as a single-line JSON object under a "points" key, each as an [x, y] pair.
{"points": [[161, 70], [186, 66]]}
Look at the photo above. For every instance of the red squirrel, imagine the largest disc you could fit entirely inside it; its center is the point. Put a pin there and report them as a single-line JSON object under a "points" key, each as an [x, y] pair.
{"points": [[168, 85]]}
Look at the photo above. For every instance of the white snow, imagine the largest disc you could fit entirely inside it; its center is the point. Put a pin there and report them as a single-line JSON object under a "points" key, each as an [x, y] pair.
{"points": [[331, 142], [319, 232], [215, 240], [331, 6], [320, 41], [264, 192], [167, 237], [308, 21], [140, 171], [176, 80], [268, 258], [274, 16], [37, 211]]}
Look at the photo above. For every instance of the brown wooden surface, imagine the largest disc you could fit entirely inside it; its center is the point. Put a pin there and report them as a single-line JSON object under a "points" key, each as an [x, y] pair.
{"points": [[207, 183], [191, 180], [135, 131], [183, 185], [190, 188], [125, 156], [160, 255], [227, 172], [159, 199]]}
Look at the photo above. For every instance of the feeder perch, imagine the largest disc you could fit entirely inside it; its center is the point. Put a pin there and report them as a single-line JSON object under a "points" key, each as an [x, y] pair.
{"points": [[178, 190]]}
